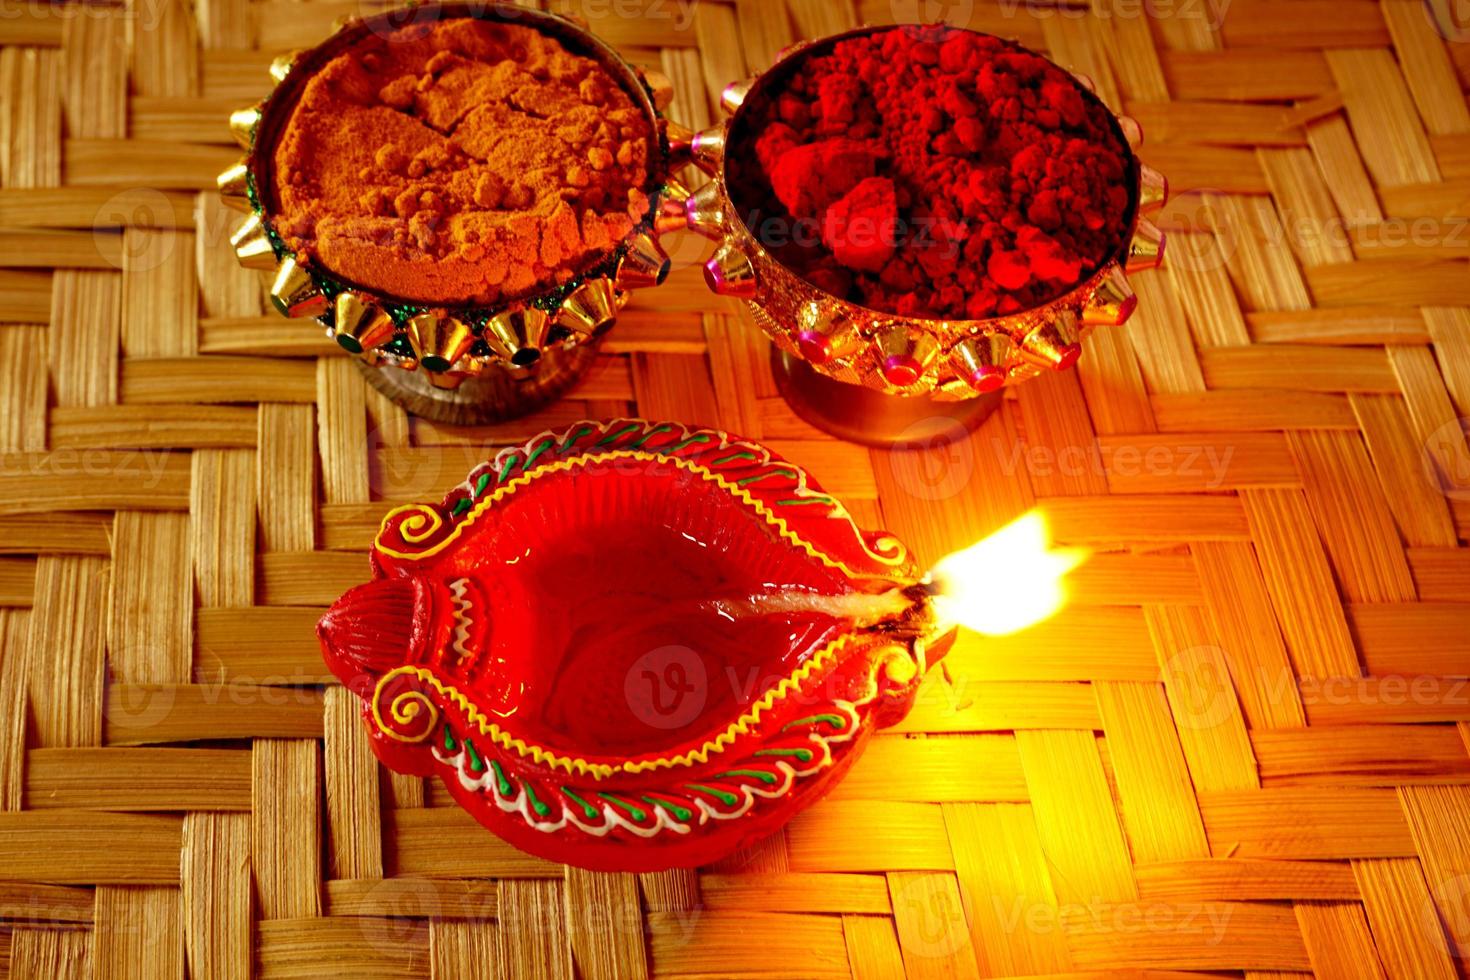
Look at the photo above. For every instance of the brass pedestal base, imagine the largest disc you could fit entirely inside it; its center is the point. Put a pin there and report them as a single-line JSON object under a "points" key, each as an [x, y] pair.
{"points": [[870, 417], [496, 395]]}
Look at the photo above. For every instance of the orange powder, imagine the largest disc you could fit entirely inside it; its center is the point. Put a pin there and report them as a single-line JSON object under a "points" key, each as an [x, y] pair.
{"points": [[462, 162]]}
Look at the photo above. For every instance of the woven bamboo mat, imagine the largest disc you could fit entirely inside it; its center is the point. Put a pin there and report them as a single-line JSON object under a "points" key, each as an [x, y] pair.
{"points": [[1240, 752]]}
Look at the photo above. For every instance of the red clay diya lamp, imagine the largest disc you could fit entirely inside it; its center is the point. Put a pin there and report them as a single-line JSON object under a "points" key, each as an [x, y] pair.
{"points": [[463, 194], [922, 211], [634, 645]]}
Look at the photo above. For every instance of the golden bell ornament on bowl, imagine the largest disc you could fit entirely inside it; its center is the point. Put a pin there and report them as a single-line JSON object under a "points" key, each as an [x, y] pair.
{"points": [[591, 309], [643, 265], [233, 185], [294, 291], [439, 341], [1053, 343], [518, 336], [981, 362], [359, 323], [252, 245], [825, 335]]}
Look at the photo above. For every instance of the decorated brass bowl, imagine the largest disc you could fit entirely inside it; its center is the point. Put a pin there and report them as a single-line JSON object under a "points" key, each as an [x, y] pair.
{"points": [[451, 342], [632, 645], [944, 358]]}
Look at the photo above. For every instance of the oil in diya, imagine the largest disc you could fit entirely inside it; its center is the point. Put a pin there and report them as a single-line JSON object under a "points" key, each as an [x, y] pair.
{"points": [[463, 194], [922, 211], [633, 645]]}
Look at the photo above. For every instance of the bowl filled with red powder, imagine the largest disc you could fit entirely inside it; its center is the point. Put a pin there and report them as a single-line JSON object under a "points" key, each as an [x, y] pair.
{"points": [[458, 188], [925, 210]]}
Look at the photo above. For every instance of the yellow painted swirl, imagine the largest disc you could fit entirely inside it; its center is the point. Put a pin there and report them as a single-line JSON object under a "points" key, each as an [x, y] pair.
{"points": [[418, 523], [413, 715]]}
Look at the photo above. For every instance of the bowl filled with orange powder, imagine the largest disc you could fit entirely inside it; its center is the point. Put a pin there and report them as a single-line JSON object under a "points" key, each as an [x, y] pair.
{"points": [[465, 190]]}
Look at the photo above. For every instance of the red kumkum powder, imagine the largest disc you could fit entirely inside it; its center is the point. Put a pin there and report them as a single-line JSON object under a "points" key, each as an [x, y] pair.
{"points": [[931, 172]]}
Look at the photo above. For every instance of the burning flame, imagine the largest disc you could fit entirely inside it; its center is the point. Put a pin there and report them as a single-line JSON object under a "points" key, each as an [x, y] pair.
{"points": [[1005, 582]]}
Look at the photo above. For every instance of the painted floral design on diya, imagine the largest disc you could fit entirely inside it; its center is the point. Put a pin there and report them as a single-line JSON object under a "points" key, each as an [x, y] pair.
{"points": [[632, 645], [463, 189], [883, 280]]}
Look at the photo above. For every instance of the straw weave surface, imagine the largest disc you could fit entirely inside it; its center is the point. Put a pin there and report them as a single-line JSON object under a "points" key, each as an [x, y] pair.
{"points": [[1241, 751]]}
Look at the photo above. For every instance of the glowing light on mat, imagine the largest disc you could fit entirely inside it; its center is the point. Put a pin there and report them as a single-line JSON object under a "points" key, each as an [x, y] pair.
{"points": [[1007, 581]]}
